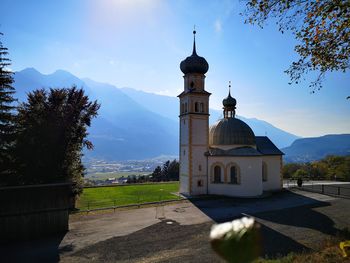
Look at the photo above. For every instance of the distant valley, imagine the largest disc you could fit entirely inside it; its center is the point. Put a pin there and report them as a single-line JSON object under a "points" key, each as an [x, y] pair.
{"points": [[312, 149], [132, 124]]}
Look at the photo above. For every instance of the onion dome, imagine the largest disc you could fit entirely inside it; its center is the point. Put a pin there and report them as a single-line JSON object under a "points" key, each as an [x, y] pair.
{"points": [[194, 63], [229, 101], [231, 131]]}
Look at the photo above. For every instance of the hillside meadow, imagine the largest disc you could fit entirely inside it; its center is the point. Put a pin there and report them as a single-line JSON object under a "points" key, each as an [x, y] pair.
{"points": [[109, 196]]}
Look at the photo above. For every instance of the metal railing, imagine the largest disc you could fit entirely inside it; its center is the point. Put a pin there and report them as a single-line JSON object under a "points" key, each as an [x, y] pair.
{"points": [[137, 201], [341, 190]]}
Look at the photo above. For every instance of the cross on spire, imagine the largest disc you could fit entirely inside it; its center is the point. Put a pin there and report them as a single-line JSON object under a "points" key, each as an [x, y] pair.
{"points": [[194, 40], [229, 87]]}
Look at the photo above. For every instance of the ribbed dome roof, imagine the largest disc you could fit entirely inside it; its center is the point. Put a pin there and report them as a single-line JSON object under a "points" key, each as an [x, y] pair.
{"points": [[230, 131], [194, 63]]}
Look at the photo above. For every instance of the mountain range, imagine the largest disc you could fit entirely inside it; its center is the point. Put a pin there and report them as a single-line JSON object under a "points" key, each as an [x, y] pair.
{"points": [[132, 124], [311, 149]]}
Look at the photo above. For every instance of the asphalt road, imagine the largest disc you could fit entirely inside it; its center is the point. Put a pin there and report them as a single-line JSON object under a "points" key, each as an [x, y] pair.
{"points": [[291, 221]]}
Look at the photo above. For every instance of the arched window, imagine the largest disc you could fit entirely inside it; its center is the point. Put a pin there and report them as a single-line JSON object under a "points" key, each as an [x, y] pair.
{"points": [[182, 107], [202, 107], [217, 174], [234, 179], [196, 107], [264, 172], [186, 107]]}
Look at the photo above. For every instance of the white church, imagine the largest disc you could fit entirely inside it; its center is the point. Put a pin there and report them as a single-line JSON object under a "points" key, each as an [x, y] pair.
{"points": [[226, 158]]}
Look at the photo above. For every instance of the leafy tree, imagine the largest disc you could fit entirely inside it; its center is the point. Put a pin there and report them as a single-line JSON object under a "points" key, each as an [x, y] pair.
{"points": [[331, 167], [322, 28], [338, 167], [288, 170], [300, 173], [7, 130], [319, 170], [52, 130]]}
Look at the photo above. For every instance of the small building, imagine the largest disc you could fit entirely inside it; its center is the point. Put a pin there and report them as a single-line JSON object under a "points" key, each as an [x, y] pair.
{"points": [[122, 180], [226, 158]]}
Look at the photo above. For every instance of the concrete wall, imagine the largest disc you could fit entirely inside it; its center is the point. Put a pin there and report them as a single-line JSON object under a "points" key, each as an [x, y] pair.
{"points": [[249, 172], [34, 211], [274, 178]]}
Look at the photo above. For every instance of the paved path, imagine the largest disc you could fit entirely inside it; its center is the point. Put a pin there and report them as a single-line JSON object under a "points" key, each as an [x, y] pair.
{"points": [[291, 221], [90, 229], [299, 220]]}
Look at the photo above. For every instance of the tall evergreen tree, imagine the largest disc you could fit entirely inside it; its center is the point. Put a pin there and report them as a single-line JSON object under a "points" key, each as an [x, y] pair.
{"points": [[165, 171], [173, 170], [7, 110], [157, 174]]}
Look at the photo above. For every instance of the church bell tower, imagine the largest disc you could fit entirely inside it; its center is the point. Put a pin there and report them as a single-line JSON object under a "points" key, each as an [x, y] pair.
{"points": [[194, 125]]}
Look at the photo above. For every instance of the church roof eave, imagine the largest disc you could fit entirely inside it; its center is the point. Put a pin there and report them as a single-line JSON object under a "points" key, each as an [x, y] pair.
{"points": [[266, 146]]}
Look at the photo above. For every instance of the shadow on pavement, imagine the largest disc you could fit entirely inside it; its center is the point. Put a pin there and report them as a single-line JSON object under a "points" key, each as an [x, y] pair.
{"points": [[38, 250], [166, 241], [275, 244], [285, 208]]}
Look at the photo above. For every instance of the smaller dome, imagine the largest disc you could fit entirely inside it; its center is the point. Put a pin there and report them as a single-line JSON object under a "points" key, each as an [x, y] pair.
{"points": [[229, 101]]}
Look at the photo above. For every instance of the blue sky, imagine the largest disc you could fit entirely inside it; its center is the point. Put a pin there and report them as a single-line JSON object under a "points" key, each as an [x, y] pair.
{"points": [[140, 44]]}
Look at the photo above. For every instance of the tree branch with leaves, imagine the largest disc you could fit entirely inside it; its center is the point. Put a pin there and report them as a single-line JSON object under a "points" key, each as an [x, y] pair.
{"points": [[321, 27]]}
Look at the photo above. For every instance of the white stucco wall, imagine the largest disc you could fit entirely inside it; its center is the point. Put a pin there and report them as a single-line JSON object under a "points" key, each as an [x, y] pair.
{"points": [[199, 170], [184, 185], [250, 176], [199, 130], [184, 129], [274, 179]]}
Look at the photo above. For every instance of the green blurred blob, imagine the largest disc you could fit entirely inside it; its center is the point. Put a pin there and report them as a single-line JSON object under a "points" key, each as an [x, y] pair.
{"points": [[237, 241]]}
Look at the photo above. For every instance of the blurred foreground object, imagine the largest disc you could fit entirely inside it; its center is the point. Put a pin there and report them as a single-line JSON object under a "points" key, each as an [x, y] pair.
{"points": [[343, 246], [237, 241]]}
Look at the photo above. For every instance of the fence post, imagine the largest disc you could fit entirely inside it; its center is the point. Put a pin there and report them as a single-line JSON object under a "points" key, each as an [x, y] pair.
{"points": [[338, 190], [323, 189], [114, 205], [88, 207]]}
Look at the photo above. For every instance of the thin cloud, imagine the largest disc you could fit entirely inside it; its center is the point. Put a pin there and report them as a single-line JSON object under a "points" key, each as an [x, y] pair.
{"points": [[218, 26]]}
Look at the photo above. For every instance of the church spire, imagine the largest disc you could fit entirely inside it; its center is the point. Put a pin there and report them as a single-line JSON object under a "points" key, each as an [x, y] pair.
{"points": [[229, 88], [194, 42], [229, 104], [194, 63]]}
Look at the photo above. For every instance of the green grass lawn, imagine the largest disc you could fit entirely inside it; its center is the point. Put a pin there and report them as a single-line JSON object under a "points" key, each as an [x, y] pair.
{"points": [[99, 197]]}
